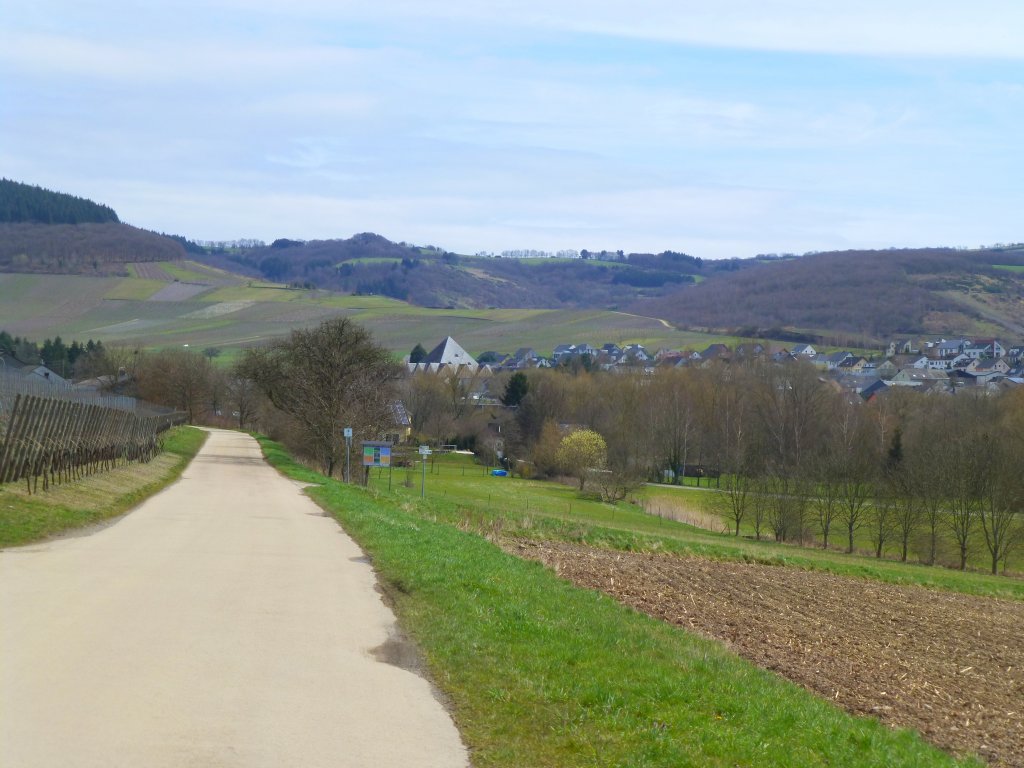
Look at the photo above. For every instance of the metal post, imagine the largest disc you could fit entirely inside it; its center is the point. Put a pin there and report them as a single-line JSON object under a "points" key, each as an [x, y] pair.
{"points": [[424, 452], [348, 459]]}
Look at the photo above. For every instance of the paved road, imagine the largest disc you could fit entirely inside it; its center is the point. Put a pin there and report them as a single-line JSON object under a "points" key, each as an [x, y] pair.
{"points": [[225, 622]]}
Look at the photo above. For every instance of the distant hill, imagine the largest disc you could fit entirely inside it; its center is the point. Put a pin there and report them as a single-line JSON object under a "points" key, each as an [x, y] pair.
{"points": [[862, 294], [368, 263], [24, 203], [81, 249], [51, 232]]}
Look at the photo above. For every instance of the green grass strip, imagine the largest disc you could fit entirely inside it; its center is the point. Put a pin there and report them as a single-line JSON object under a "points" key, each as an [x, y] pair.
{"points": [[99, 497], [539, 509], [540, 673]]}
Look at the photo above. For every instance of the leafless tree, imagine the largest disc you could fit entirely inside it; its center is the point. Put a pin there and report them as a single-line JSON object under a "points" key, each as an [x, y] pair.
{"points": [[327, 378]]}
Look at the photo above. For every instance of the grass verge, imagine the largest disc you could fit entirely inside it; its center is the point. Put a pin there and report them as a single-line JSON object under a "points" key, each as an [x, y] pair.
{"points": [[25, 518], [541, 673]]}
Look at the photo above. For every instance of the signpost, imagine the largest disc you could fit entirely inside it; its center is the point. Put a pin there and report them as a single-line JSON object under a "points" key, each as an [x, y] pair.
{"points": [[424, 452], [377, 454], [348, 460]]}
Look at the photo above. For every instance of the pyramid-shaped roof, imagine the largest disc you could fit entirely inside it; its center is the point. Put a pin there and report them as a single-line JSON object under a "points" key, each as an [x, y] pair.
{"points": [[448, 352]]}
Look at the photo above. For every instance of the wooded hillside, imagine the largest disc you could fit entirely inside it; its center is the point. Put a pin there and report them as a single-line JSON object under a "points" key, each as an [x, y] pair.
{"points": [[873, 294], [81, 249], [26, 203], [368, 263]]}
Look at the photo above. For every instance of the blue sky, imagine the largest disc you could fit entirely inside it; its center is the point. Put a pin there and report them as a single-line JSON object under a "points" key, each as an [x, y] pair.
{"points": [[720, 129]]}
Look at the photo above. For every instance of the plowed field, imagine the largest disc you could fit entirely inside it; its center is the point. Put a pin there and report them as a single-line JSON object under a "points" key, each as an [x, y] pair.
{"points": [[950, 666]]}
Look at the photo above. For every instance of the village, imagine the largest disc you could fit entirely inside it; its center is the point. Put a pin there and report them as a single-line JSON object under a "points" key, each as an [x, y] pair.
{"points": [[933, 365]]}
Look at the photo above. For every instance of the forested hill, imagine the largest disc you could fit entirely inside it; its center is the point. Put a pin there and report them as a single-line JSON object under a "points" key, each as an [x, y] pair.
{"points": [[368, 263], [55, 233], [24, 203], [866, 294]]}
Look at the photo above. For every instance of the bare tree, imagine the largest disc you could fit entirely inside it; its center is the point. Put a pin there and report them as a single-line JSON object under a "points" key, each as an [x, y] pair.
{"points": [[881, 521], [244, 397], [179, 378], [327, 378], [1000, 503], [672, 417]]}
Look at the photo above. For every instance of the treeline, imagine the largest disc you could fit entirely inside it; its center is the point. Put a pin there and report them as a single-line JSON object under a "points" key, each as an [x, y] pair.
{"points": [[67, 360], [872, 293], [932, 477], [24, 203], [87, 249]]}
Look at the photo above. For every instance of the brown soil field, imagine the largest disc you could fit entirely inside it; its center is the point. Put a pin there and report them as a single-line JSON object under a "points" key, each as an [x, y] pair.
{"points": [[950, 666]]}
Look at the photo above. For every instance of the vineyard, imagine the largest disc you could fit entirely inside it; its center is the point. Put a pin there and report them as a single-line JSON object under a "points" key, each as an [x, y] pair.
{"points": [[53, 433]]}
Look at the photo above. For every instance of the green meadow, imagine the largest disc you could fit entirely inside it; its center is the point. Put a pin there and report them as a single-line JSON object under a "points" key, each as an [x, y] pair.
{"points": [[650, 519], [540, 673]]}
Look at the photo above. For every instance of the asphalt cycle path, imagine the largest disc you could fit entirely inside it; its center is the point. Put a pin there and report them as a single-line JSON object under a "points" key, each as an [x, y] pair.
{"points": [[225, 622]]}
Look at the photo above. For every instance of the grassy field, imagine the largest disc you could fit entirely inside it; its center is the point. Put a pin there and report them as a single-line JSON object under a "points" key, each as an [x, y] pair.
{"points": [[28, 517], [539, 673], [118, 310], [540, 508], [1009, 267]]}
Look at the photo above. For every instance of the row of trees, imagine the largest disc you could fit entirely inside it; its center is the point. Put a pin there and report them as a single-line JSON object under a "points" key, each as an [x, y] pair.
{"points": [[795, 459]]}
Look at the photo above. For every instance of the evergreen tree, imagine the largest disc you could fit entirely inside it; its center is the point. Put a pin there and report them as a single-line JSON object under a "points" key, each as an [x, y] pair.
{"points": [[417, 354], [516, 389]]}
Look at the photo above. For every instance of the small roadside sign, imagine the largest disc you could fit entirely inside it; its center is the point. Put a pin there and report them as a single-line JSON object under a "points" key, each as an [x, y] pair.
{"points": [[348, 433], [425, 450]]}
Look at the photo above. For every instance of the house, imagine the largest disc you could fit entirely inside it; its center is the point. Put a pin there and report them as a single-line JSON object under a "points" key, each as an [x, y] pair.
{"points": [[449, 352], [830, 362], [853, 364], [886, 369], [989, 347], [948, 349], [873, 390], [613, 351], [901, 347], [803, 350], [927, 378], [35, 371], [961, 361], [715, 351], [448, 355], [635, 352], [563, 350], [988, 367], [750, 351]]}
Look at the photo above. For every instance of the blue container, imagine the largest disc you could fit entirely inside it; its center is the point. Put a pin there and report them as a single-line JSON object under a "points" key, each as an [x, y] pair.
{"points": [[499, 473]]}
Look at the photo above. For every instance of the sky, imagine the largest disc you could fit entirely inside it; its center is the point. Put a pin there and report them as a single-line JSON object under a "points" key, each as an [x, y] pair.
{"points": [[722, 129]]}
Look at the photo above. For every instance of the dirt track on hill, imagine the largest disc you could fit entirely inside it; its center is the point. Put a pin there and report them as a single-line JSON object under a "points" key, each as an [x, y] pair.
{"points": [[948, 665]]}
